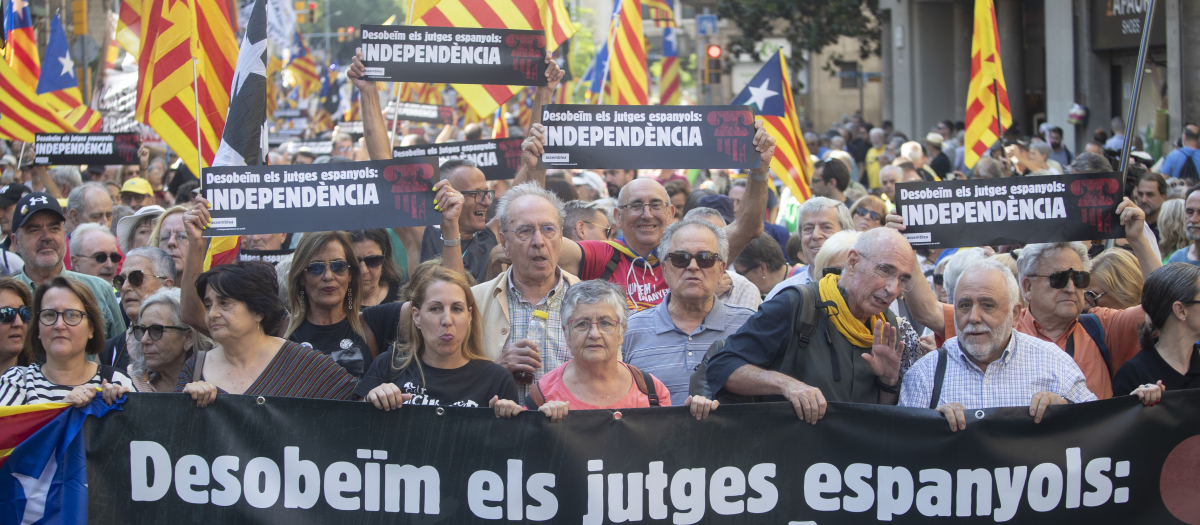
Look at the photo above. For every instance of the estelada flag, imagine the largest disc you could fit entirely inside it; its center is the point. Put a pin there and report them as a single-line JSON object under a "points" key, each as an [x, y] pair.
{"points": [[987, 95], [500, 124], [21, 52], [58, 87], [22, 113], [43, 466], [771, 95]]}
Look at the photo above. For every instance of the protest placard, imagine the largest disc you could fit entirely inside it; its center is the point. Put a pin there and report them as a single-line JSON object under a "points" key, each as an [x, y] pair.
{"points": [[632, 137], [498, 159], [93, 149], [457, 55], [250, 200], [1018, 210], [415, 112]]}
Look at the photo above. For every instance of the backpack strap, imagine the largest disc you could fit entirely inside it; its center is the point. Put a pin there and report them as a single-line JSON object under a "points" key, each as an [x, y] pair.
{"points": [[535, 398], [939, 376], [1091, 324], [645, 383], [613, 262], [198, 368]]}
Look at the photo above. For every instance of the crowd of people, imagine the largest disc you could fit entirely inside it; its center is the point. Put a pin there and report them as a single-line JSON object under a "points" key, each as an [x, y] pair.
{"points": [[574, 290]]}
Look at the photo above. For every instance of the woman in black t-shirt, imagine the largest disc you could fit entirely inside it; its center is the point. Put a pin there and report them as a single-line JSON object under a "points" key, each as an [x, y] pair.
{"points": [[1171, 360], [442, 360]]}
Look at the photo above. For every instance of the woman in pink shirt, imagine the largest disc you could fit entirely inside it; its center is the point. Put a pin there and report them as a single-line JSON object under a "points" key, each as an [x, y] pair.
{"points": [[594, 317]]}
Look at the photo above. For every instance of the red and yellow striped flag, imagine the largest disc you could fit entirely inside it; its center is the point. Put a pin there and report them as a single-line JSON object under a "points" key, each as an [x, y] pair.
{"points": [[627, 73], [668, 82], [987, 94], [548, 15], [23, 113], [661, 12], [166, 92], [770, 93], [302, 68], [18, 423], [129, 26], [21, 50], [500, 123]]}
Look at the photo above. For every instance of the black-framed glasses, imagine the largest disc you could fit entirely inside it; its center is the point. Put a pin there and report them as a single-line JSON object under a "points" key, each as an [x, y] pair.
{"points": [[639, 208], [939, 279], [684, 259], [1060, 279], [9, 314], [155, 331], [863, 212], [525, 233], [135, 279], [71, 317], [1093, 298], [316, 269], [372, 261], [1189, 301], [607, 229], [100, 257], [481, 196]]}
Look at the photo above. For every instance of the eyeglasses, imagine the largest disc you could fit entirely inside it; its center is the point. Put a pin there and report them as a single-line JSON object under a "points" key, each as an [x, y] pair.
{"points": [[318, 268], [71, 317], [155, 331], [180, 238], [135, 279], [584, 326], [607, 229], [890, 273], [1093, 298], [1059, 279], [684, 259], [101, 257], [481, 196], [939, 279], [9, 314], [863, 212], [638, 208], [371, 261], [525, 233]]}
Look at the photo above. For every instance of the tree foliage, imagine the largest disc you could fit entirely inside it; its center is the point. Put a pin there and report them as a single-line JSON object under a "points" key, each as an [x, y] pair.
{"points": [[807, 24]]}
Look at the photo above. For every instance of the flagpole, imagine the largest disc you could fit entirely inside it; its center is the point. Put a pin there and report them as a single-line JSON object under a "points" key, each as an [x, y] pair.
{"points": [[196, 98], [1137, 91], [999, 116]]}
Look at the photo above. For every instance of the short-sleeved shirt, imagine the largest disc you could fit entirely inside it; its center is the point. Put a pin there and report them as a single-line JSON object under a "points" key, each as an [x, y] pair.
{"points": [[26, 385], [338, 341], [1027, 366], [1181, 256], [554, 389], [1148, 367], [1174, 160], [653, 343], [474, 251], [106, 298], [384, 321], [470, 385], [639, 276]]}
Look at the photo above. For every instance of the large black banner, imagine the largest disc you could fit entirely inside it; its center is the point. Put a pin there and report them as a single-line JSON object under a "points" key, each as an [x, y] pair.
{"points": [[248, 200], [93, 149], [630, 137], [294, 461], [1017, 210], [499, 159], [458, 55]]}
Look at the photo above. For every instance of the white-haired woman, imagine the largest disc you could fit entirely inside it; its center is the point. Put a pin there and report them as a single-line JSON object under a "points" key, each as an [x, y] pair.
{"points": [[595, 318], [162, 343]]}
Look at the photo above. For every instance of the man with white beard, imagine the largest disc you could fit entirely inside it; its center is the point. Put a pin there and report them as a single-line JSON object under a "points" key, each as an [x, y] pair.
{"points": [[988, 364]]}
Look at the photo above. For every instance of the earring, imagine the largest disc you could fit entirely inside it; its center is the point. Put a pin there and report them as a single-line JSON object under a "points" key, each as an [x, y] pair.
{"points": [[350, 297], [302, 292]]}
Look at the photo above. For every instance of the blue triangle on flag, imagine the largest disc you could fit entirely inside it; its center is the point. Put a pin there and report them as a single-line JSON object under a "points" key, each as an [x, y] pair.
{"points": [[58, 70], [765, 90]]}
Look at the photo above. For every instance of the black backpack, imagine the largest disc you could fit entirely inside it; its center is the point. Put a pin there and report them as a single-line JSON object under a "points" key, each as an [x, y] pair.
{"points": [[1188, 170]]}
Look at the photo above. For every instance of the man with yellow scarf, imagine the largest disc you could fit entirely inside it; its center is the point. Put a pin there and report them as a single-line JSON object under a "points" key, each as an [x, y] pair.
{"points": [[829, 340]]}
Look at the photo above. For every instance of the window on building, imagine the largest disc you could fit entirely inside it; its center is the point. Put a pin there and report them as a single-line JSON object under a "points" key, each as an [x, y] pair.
{"points": [[848, 72]]}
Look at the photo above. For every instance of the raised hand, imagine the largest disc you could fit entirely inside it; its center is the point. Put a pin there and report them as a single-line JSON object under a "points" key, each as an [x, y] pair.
{"points": [[884, 359], [534, 146]]}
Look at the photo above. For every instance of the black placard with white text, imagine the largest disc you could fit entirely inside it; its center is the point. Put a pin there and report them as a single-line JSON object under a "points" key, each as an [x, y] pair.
{"points": [[1017, 210], [299, 461], [498, 159], [635, 137], [415, 112], [248, 200], [457, 55], [93, 149]]}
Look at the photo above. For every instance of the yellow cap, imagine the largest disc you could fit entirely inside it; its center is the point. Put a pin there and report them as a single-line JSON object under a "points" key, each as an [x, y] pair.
{"points": [[541, 315], [137, 185]]}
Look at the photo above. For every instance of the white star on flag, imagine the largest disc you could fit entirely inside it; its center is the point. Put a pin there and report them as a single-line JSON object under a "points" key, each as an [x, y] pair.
{"points": [[18, 7], [67, 64], [37, 490], [760, 94], [670, 37]]}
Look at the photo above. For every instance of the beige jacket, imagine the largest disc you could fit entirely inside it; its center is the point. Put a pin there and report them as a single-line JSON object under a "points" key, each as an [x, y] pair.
{"points": [[492, 300]]}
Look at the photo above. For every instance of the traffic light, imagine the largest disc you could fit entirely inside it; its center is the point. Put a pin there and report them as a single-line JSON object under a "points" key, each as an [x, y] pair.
{"points": [[712, 65], [341, 34], [312, 12], [79, 8]]}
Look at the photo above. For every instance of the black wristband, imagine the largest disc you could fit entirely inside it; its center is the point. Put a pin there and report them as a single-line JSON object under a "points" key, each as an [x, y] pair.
{"points": [[889, 389]]}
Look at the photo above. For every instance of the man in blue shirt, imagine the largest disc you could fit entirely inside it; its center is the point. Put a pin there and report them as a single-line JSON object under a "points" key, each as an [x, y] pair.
{"points": [[1191, 253], [1173, 164]]}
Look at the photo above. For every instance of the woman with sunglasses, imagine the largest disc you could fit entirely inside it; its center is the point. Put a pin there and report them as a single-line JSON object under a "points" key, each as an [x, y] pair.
{"points": [[14, 317], [1170, 356], [381, 276], [161, 343], [69, 328], [868, 212]]}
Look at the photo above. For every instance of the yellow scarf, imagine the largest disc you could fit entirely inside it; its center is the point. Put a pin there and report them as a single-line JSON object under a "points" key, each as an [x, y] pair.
{"points": [[857, 333]]}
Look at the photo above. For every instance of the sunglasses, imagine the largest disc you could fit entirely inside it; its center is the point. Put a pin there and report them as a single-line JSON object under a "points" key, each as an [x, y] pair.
{"points": [[1093, 298], [684, 259], [372, 261], [9, 314], [318, 268], [101, 257], [939, 279], [863, 212], [155, 331], [1060, 279], [135, 279]]}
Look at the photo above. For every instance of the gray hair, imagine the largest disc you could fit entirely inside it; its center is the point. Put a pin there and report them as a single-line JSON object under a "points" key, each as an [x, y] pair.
{"points": [[820, 204], [890, 168], [1088, 162], [1042, 148], [988, 265], [664, 246], [170, 298], [576, 211], [956, 265], [1032, 255], [525, 190], [75, 198], [68, 175], [594, 292], [877, 131], [162, 263], [705, 213], [81, 233]]}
